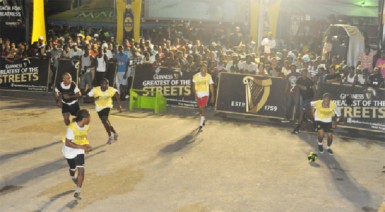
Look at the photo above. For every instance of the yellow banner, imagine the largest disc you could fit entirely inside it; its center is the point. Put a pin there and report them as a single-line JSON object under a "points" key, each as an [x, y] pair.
{"points": [[120, 8], [137, 10], [254, 14], [38, 24]]}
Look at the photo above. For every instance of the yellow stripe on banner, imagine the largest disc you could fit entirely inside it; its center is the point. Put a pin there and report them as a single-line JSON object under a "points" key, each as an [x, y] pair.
{"points": [[38, 24], [273, 11], [120, 8], [254, 14], [137, 10]]}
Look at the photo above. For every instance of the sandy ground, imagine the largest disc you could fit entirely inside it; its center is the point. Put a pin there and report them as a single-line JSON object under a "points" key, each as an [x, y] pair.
{"points": [[161, 163]]}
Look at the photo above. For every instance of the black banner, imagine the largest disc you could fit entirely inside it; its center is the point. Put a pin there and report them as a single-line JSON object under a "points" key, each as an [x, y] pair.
{"points": [[174, 85], [361, 107], [12, 20], [28, 74], [73, 67], [70, 66], [251, 95]]}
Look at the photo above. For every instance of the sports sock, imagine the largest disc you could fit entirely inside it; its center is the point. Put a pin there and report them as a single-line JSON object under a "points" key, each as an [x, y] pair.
{"points": [[202, 120], [77, 190]]}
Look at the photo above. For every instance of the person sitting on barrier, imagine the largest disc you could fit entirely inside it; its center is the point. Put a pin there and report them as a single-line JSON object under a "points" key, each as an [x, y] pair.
{"points": [[333, 76], [375, 79], [203, 88], [66, 96], [103, 95]]}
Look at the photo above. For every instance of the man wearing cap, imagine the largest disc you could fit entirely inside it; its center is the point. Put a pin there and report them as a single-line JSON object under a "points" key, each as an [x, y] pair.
{"points": [[75, 52]]}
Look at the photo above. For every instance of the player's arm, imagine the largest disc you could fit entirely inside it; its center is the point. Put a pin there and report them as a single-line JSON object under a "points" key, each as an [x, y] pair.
{"points": [[57, 97], [86, 147]]}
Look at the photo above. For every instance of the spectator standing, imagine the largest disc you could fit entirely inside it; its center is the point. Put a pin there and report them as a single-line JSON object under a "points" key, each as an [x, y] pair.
{"points": [[366, 58]]}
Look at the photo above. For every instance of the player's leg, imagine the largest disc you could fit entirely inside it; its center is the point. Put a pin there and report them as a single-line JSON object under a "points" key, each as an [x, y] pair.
{"points": [[320, 136], [79, 160], [72, 169], [202, 102], [329, 141]]}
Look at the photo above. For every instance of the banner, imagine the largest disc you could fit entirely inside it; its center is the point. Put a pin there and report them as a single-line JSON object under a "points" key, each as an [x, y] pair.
{"points": [[38, 26], [73, 67], [131, 13], [251, 95], [29, 74], [173, 84], [13, 20], [70, 66], [362, 108]]}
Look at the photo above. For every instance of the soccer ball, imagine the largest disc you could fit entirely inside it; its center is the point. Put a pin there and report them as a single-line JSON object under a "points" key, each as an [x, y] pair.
{"points": [[311, 157]]}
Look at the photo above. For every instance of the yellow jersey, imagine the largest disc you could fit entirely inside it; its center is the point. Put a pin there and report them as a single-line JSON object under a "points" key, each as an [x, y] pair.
{"points": [[80, 135], [103, 99], [325, 114], [202, 84]]}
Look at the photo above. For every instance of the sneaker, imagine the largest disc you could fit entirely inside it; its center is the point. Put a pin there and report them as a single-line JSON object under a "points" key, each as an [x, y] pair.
{"points": [[115, 136], [109, 141], [77, 194], [285, 121], [321, 148], [127, 96], [200, 129], [330, 151], [295, 131], [75, 180]]}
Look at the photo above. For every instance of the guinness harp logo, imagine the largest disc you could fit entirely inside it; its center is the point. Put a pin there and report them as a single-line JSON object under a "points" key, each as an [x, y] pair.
{"points": [[257, 92]]}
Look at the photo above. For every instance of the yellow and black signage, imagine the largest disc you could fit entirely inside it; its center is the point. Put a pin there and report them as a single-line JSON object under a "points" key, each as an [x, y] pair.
{"points": [[28, 74], [174, 85], [251, 95]]}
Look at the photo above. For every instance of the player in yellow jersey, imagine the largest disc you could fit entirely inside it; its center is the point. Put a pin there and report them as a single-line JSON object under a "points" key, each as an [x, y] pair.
{"points": [[203, 88], [75, 145], [324, 111], [103, 95]]}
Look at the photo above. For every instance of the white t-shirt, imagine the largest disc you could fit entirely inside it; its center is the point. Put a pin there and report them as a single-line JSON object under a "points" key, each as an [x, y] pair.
{"points": [[69, 152], [268, 45]]}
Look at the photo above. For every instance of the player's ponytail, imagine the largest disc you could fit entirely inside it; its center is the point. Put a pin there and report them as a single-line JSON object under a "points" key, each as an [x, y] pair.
{"points": [[83, 113]]}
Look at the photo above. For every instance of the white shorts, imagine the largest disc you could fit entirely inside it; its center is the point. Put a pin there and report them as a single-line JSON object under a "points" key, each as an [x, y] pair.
{"points": [[70, 153], [120, 80]]}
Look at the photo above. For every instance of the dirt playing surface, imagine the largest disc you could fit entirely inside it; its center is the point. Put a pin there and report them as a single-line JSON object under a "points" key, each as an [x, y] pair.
{"points": [[161, 163]]}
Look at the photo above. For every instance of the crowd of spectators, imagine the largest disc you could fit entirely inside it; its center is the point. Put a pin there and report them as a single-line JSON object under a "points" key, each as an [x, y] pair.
{"points": [[184, 47]]}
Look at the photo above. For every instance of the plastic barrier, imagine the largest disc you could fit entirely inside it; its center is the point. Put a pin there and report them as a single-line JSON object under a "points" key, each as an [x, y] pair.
{"points": [[147, 100]]}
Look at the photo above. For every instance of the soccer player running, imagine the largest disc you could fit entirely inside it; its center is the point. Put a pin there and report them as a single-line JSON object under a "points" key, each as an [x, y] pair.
{"points": [[203, 88], [307, 91], [66, 96], [324, 111], [103, 95], [75, 146]]}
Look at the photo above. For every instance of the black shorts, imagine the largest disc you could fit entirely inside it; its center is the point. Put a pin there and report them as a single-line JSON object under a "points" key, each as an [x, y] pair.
{"points": [[326, 127], [105, 112], [73, 109], [78, 161]]}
